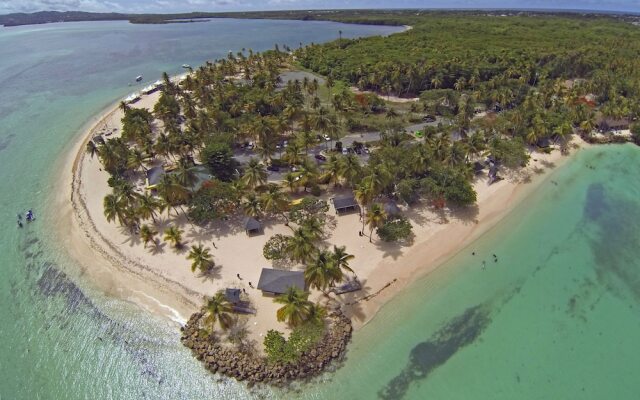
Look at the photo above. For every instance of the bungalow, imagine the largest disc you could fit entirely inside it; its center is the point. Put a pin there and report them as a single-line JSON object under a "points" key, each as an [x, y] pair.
{"points": [[345, 204], [252, 226], [391, 208], [154, 176], [611, 124], [275, 281]]}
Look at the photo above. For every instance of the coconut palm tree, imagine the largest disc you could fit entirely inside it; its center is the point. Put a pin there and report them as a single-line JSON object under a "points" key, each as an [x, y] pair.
{"points": [[317, 314], [251, 205], [255, 174], [350, 169], [375, 218], [185, 173], [147, 234], [332, 170], [274, 200], [91, 148], [364, 195], [323, 272], [219, 310], [173, 234], [200, 258], [342, 258], [136, 160], [300, 247], [295, 306], [115, 208], [148, 206]]}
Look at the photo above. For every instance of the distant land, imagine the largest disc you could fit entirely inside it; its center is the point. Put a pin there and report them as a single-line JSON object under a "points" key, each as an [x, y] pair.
{"points": [[377, 17]]}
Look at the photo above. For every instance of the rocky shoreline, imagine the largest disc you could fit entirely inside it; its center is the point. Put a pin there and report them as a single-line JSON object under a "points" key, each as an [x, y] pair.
{"points": [[230, 362], [608, 139]]}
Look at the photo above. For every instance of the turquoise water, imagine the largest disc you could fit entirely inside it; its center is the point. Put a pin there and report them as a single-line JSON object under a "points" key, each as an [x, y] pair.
{"points": [[555, 318], [60, 338]]}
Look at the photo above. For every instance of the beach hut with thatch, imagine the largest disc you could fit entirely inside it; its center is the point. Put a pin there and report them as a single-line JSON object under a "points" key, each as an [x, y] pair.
{"points": [[252, 226], [275, 281]]}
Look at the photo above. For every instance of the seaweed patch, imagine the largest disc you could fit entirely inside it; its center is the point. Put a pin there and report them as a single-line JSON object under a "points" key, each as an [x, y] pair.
{"points": [[425, 357]]}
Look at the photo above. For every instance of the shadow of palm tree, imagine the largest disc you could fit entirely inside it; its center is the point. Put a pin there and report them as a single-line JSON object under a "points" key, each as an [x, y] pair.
{"points": [[389, 249], [212, 274], [158, 247]]}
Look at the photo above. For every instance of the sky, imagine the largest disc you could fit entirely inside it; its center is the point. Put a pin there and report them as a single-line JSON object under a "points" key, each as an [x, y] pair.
{"points": [[168, 6]]}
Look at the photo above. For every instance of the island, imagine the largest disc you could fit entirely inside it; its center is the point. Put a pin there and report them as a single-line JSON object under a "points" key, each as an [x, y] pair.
{"points": [[285, 196]]}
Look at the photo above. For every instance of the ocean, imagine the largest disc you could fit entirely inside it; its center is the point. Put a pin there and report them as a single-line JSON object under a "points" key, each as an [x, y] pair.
{"points": [[554, 315]]}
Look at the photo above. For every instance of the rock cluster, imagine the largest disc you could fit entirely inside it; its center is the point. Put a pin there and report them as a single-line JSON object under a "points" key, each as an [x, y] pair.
{"points": [[606, 139], [255, 369]]}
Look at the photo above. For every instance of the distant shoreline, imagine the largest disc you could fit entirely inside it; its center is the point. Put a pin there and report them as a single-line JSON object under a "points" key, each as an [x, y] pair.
{"points": [[350, 16]]}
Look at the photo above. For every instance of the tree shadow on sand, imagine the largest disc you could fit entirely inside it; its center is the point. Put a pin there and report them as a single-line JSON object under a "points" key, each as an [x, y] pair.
{"points": [[158, 247], [390, 249], [212, 274]]}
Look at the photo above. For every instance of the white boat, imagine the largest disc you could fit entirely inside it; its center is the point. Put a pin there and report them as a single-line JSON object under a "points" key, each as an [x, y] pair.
{"points": [[187, 66], [139, 78]]}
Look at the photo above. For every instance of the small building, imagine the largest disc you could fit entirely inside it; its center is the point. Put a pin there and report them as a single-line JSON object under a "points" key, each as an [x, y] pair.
{"points": [[544, 143], [154, 176], [478, 167], [232, 295], [612, 124], [275, 281], [391, 208], [345, 204], [252, 226]]}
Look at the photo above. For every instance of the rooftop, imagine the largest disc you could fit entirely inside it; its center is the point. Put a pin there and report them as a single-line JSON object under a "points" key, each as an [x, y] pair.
{"points": [[344, 203], [278, 281]]}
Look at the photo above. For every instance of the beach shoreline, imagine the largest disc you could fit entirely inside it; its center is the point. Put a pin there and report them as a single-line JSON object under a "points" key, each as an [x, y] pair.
{"points": [[104, 252]]}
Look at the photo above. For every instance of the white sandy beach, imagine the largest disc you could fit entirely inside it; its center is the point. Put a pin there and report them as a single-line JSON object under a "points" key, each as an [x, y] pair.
{"points": [[161, 280]]}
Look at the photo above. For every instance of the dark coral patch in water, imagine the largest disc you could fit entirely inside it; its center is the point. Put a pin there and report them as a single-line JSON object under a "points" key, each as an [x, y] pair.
{"points": [[615, 240], [425, 357]]}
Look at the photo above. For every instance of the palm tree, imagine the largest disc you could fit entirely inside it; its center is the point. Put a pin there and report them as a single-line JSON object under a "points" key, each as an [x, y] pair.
{"points": [[251, 205], [342, 258], [147, 234], [255, 174], [332, 169], [91, 148], [218, 310], [200, 258], [375, 218], [364, 195], [317, 314], [136, 160], [186, 173], [295, 309], [350, 169], [173, 234], [300, 246], [148, 205], [323, 272], [274, 200], [115, 208]]}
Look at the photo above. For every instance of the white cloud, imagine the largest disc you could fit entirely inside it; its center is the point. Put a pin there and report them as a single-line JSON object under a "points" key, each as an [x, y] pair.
{"points": [[7, 6]]}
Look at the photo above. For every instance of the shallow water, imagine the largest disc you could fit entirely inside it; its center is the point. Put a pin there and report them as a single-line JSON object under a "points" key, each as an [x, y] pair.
{"points": [[60, 338], [556, 317]]}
